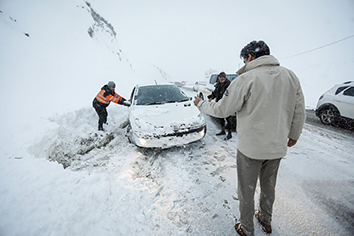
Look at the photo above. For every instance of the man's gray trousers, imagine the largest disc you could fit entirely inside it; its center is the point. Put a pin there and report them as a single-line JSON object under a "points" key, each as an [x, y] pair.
{"points": [[248, 171]]}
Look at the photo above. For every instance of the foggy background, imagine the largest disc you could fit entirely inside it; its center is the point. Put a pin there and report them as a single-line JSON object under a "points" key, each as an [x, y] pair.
{"points": [[58, 67]]}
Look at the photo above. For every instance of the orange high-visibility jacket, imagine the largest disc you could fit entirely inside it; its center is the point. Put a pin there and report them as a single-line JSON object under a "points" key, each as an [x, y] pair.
{"points": [[106, 96]]}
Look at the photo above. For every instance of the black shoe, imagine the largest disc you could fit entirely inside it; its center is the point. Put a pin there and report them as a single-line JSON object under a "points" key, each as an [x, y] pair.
{"points": [[221, 133], [100, 129], [229, 135]]}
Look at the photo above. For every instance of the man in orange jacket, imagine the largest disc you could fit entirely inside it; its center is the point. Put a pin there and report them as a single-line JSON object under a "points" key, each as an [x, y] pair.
{"points": [[103, 99]]}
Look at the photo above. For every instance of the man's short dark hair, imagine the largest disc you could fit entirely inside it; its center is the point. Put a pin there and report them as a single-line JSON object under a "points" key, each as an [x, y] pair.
{"points": [[222, 75], [256, 49]]}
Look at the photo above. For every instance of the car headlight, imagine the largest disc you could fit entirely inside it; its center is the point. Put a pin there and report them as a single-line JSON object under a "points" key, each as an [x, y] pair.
{"points": [[201, 116], [142, 141], [202, 132]]}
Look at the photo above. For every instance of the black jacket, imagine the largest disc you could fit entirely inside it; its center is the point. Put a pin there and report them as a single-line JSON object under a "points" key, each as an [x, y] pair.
{"points": [[219, 90]]}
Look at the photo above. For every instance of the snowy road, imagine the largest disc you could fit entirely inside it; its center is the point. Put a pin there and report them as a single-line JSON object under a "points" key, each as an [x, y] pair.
{"points": [[111, 187], [312, 119]]}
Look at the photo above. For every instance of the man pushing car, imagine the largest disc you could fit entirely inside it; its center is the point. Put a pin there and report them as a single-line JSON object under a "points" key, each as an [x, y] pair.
{"points": [[103, 99]]}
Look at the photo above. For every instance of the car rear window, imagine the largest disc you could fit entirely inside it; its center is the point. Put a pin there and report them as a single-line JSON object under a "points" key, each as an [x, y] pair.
{"points": [[231, 77], [349, 92], [213, 79], [340, 89]]}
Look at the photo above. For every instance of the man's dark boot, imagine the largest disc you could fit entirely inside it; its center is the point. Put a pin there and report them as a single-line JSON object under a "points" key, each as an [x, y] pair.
{"points": [[222, 132], [229, 135], [266, 228], [100, 127]]}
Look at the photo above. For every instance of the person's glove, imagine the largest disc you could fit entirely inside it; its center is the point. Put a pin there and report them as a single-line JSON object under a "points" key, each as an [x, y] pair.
{"points": [[126, 103]]}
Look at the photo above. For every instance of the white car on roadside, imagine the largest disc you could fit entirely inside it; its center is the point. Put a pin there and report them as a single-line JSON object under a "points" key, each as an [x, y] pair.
{"points": [[198, 84], [337, 105], [162, 116], [204, 91]]}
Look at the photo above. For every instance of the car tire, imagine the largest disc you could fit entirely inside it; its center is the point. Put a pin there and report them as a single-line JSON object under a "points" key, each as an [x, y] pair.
{"points": [[329, 115], [351, 124], [129, 133]]}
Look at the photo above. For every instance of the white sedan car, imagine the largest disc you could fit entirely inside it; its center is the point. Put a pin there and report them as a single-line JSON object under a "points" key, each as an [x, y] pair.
{"points": [[162, 116]]}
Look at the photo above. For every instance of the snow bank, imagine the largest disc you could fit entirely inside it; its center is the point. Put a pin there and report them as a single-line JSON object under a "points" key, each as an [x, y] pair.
{"points": [[76, 142]]}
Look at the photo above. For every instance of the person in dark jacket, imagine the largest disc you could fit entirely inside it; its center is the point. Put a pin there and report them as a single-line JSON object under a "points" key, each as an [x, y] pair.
{"points": [[218, 92], [103, 99]]}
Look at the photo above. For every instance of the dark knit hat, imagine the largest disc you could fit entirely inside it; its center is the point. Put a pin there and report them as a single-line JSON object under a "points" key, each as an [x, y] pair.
{"points": [[111, 84]]}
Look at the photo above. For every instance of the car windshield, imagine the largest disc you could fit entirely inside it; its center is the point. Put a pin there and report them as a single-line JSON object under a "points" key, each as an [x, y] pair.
{"points": [[159, 94]]}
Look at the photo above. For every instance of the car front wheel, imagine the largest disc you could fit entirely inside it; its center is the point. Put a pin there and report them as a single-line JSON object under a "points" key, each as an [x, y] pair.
{"points": [[328, 115]]}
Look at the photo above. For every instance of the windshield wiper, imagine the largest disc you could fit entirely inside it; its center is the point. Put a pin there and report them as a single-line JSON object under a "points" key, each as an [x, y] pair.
{"points": [[183, 100], [155, 103], [163, 102]]}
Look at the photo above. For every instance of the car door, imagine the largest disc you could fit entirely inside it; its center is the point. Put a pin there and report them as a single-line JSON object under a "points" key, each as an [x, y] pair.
{"points": [[345, 102]]}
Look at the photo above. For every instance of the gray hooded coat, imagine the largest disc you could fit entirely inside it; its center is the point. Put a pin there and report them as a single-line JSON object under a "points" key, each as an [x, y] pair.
{"points": [[270, 108]]}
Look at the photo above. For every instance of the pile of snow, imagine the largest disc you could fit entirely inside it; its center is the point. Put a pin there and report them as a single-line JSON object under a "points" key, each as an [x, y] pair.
{"points": [[113, 189], [76, 142]]}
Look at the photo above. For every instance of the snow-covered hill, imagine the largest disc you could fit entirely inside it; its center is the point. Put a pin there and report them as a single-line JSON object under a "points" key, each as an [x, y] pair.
{"points": [[70, 51]]}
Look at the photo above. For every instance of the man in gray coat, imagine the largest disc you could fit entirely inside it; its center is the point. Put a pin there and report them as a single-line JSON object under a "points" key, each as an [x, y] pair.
{"points": [[270, 109]]}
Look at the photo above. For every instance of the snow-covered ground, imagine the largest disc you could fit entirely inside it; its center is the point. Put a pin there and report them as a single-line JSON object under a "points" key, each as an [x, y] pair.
{"points": [[111, 187]]}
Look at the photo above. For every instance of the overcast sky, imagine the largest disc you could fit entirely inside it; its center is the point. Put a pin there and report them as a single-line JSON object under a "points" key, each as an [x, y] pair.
{"points": [[187, 37], [184, 38]]}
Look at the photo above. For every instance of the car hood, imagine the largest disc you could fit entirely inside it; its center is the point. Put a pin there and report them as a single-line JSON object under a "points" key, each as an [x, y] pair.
{"points": [[166, 118]]}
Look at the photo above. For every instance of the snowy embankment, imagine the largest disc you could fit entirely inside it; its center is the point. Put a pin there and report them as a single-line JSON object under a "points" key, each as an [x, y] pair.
{"points": [[111, 187]]}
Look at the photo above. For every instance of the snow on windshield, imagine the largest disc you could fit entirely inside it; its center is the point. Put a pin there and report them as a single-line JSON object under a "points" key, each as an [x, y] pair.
{"points": [[159, 94]]}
